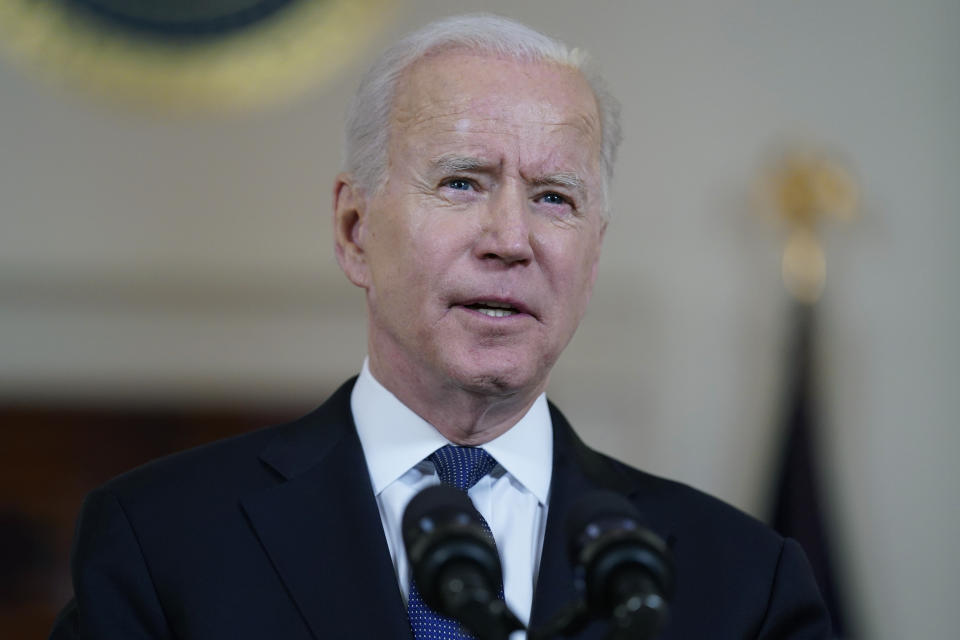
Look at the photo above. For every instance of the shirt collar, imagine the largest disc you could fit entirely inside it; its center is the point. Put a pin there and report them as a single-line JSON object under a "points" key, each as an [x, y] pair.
{"points": [[395, 439]]}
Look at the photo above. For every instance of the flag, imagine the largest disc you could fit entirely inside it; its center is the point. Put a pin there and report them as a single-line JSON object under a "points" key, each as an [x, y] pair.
{"points": [[798, 507]]}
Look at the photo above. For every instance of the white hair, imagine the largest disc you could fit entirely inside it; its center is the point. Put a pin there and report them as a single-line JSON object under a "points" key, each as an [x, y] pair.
{"points": [[368, 119]]}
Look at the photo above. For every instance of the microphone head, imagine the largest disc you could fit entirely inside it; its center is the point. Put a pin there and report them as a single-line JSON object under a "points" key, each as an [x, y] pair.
{"points": [[614, 555], [438, 503], [442, 529], [607, 507]]}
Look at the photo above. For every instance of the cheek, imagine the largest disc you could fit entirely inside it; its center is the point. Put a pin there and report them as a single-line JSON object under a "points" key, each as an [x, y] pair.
{"points": [[569, 257], [405, 272]]}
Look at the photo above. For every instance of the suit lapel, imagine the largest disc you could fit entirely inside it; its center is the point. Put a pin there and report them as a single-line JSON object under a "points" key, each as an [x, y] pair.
{"points": [[322, 531], [577, 469]]}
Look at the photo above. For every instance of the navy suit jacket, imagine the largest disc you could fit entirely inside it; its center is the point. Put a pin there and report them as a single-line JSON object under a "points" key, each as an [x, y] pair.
{"points": [[276, 534]]}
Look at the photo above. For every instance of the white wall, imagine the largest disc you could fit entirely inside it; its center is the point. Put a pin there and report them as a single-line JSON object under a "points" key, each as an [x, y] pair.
{"points": [[190, 261]]}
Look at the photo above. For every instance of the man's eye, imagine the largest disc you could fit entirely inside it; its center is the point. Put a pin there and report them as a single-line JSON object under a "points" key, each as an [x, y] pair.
{"points": [[458, 184], [554, 198]]}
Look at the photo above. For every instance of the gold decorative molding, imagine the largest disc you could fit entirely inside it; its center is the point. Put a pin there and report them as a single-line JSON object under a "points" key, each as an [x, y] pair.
{"points": [[298, 46]]}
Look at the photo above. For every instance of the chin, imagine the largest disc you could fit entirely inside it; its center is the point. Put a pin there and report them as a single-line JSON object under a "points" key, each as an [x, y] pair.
{"points": [[493, 385], [497, 380]]}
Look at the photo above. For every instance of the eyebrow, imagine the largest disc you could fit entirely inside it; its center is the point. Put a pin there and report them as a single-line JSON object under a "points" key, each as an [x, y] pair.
{"points": [[564, 179], [456, 164]]}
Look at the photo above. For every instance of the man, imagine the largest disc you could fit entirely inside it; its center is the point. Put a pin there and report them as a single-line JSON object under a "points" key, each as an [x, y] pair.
{"points": [[472, 213]]}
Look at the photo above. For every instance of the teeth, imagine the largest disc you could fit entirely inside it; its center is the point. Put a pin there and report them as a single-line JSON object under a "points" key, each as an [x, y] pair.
{"points": [[494, 309], [496, 313]]}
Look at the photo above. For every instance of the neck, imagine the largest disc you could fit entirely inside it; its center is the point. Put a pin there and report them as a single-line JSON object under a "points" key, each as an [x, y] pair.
{"points": [[465, 416]]}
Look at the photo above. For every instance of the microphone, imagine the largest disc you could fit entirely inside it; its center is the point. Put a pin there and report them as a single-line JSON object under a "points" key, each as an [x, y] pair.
{"points": [[624, 570], [455, 564]]}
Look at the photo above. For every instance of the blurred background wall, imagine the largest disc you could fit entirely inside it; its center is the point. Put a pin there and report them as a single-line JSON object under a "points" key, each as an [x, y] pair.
{"points": [[156, 266]]}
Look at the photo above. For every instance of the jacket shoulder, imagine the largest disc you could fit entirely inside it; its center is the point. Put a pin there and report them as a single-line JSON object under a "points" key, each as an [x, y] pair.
{"points": [[680, 506], [239, 464], [222, 461]]}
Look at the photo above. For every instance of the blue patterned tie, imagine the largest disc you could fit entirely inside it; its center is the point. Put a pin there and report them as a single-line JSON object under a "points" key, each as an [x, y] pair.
{"points": [[460, 467]]}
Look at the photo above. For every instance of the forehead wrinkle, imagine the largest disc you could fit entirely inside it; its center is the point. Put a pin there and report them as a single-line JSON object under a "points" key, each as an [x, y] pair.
{"points": [[410, 112], [410, 117], [414, 117]]}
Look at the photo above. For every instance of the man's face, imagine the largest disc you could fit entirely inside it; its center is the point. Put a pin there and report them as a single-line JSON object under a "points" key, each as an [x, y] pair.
{"points": [[480, 250]]}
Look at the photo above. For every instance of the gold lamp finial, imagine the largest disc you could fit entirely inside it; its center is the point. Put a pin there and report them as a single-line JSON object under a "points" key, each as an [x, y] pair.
{"points": [[805, 187]]}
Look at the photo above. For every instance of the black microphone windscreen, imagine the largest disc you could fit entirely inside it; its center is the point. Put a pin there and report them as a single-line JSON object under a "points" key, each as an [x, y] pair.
{"points": [[604, 535], [454, 561], [595, 507], [438, 503], [599, 504]]}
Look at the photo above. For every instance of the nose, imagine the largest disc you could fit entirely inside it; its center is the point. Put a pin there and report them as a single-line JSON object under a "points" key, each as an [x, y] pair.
{"points": [[505, 233]]}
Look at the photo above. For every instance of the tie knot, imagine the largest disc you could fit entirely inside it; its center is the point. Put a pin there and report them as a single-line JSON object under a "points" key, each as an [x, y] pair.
{"points": [[461, 467]]}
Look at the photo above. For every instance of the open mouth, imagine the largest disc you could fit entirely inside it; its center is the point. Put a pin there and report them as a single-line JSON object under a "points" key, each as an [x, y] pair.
{"points": [[494, 309]]}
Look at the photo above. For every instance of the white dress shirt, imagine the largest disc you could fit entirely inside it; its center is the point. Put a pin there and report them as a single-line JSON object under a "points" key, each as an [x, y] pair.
{"points": [[512, 498]]}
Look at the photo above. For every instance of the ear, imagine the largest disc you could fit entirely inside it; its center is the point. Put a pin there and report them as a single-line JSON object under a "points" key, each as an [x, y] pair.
{"points": [[349, 220]]}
